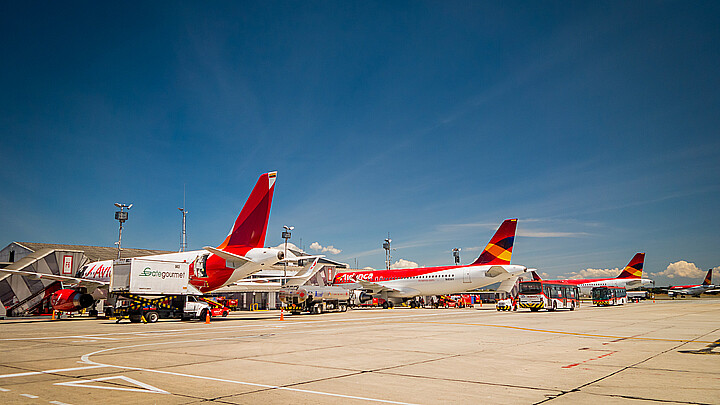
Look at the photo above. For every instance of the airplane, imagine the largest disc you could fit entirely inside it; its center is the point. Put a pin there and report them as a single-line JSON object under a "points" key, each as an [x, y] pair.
{"points": [[237, 257], [630, 278], [694, 290], [397, 285]]}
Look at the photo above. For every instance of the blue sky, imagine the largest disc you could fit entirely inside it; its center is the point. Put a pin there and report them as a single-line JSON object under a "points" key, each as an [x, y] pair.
{"points": [[594, 123]]}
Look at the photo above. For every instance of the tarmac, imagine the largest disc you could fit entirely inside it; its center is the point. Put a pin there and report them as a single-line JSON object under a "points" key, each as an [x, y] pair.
{"points": [[648, 352]]}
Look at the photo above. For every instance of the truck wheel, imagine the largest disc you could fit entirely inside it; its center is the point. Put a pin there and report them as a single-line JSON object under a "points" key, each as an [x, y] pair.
{"points": [[225, 313], [135, 318], [385, 305], [203, 314], [152, 317], [343, 308], [534, 309]]}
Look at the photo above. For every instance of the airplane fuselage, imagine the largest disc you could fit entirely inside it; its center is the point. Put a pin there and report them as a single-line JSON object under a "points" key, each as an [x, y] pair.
{"points": [[408, 283], [694, 290], [207, 271], [586, 285]]}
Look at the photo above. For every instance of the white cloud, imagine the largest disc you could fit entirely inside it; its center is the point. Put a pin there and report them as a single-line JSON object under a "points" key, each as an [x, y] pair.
{"points": [[325, 249], [595, 273], [682, 269], [403, 264]]}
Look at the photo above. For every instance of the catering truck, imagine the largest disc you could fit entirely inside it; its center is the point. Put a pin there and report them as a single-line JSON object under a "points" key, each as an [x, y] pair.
{"points": [[148, 290]]}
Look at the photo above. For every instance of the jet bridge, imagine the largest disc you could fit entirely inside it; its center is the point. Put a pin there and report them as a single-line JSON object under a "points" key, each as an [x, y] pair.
{"points": [[21, 295]]}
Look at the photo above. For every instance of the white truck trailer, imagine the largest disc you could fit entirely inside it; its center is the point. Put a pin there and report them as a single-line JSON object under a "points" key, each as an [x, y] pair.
{"points": [[149, 289]]}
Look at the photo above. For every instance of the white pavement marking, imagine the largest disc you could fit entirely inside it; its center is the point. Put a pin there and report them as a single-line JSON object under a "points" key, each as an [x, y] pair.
{"points": [[214, 329], [58, 403], [29, 396], [145, 387], [59, 370], [86, 359], [4, 390]]}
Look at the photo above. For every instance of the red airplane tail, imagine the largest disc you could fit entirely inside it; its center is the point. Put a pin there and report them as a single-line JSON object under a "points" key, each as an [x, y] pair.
{"points": [[499, 249], [634, 269], [251, 225], [708, 278], [535, 276]]}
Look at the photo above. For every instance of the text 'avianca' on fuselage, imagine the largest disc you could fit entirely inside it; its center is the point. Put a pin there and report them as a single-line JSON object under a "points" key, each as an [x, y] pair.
{"points": [[492, 266], [238, 256]]}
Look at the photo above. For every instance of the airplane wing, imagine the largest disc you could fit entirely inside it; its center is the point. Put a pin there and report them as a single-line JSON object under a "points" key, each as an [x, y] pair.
{"points": [[507, 284], [496, 271], [633, 283], [298, 258], [82, 282], [231, 260], [374, 288]]}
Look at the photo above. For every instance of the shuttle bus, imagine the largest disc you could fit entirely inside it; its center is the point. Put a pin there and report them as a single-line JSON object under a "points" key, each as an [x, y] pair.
{"points": [[608, 295], [551, 296]]}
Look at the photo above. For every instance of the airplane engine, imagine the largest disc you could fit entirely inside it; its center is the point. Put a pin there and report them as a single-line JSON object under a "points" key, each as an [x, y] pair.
{"points": [[68, 300], [359, 297]]}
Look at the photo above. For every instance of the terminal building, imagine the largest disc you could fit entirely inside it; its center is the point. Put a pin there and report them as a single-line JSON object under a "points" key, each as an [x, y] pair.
{"points": [[23, 296]]}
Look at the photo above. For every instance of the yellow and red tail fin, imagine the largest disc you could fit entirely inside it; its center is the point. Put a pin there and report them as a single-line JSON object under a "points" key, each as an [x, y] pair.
{"points": [[251, 225], [634, 269], [499, 250], [708, 278]]}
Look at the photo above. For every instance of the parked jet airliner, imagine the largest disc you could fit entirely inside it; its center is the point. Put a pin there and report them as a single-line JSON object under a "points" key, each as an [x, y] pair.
{"points": [[238, 256], [396, 285], [630, 278], [694, 290]]}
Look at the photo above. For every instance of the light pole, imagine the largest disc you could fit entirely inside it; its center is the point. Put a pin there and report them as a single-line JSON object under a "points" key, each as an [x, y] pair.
{"points": [[183, 241], [286, 235], [456, 255], [386, 246], [121, 216]]}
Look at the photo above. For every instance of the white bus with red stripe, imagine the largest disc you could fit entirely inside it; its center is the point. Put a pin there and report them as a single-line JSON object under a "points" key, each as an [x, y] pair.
{"points": [[539, 294]]}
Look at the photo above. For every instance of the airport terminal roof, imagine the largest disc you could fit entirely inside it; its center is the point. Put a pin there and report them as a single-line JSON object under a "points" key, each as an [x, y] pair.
{"points": [[94, 253]]}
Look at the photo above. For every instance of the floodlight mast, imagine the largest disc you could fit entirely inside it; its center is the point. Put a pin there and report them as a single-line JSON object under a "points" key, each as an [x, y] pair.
{"points": [[183, 241], [386, 246], [121, 216], [456, 255], [286, 235]]}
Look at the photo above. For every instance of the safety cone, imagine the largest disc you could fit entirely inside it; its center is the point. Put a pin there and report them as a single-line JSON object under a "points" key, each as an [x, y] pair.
{"points": [[53, 316], [281, 314], [207, 317]]}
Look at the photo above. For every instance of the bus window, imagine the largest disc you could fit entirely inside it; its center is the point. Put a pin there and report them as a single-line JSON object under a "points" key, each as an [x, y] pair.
{"points": [[530, 288]]}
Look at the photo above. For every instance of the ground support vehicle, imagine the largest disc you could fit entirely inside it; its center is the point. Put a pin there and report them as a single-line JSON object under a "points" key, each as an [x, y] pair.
{"points": [[150, 309], [217, 308], [540, 294], [636, 296], [608, 296], [447, 301], [315, 299], [506, 304]]}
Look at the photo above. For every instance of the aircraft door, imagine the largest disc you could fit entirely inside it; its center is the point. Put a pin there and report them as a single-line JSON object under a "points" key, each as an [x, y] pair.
{"points": [[466, 275], [199, 266]]}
